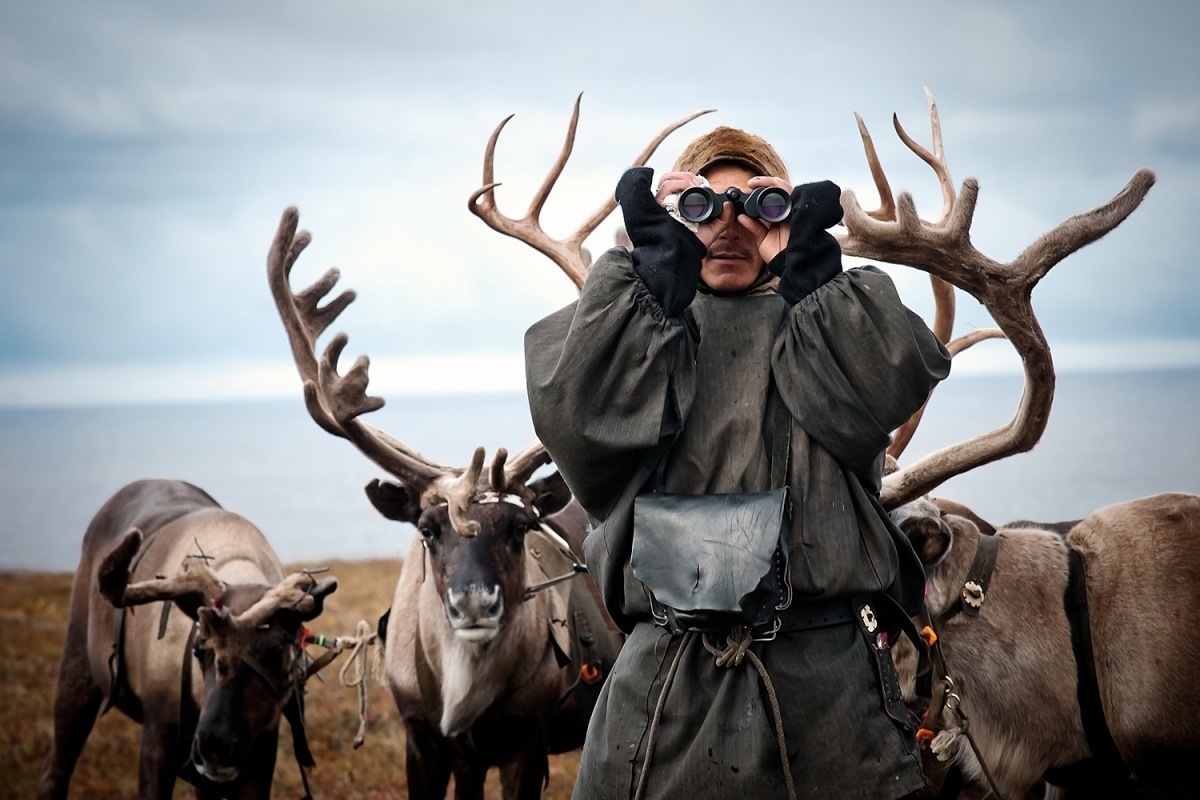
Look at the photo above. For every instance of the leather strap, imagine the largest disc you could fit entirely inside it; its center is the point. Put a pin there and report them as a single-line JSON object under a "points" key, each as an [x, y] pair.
{"points": [[807, 615], [1091, 710], [979, 578]]}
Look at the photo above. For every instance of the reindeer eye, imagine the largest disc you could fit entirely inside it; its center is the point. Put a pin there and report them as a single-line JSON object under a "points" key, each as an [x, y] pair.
{"points": [[427, 531], [520, 527]]}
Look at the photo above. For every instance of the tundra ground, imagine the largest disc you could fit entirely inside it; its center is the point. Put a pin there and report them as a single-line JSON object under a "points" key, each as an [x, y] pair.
{"points": [[33, 621]]}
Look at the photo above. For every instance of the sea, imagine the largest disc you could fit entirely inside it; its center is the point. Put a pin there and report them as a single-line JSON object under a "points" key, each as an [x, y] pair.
{"points": [[1112, 436]]}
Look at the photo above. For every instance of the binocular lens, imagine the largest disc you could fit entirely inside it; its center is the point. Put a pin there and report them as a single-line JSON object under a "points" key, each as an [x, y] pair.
{"points": [[774, 206], [701, 204], [695, 205]]}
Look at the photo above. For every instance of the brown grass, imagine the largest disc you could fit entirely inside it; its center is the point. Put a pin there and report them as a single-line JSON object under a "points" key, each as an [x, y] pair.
{"points": [[33, 619]]}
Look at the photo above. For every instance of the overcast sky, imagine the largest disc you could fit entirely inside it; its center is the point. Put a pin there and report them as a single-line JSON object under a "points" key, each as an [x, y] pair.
{"points": [[147, 150]]}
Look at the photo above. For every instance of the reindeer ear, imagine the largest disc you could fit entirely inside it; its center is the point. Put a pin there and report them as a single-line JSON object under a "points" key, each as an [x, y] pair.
{"points": [[212, 622], [113, 575], [930, 537], [550, 494], [393, 501]]}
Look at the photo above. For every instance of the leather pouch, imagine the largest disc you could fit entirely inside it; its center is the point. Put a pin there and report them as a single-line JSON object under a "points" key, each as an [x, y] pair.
{"points": [[710, 562]]}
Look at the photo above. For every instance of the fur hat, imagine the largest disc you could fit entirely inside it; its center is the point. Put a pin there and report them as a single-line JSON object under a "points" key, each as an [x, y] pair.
{"points": [[731, 144]]}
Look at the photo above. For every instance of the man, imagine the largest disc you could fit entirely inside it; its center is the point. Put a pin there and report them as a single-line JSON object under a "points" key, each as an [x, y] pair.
{"points": [[663, 375]]}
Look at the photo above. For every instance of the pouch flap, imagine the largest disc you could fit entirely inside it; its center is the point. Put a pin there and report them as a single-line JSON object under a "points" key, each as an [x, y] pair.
{"points": [[706, 552]]}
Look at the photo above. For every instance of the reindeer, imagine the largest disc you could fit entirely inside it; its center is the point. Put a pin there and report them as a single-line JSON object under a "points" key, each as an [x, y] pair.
{"points": [[492, 656], [895, 234], [1013, 661], [236, 630], [1020, 668]]}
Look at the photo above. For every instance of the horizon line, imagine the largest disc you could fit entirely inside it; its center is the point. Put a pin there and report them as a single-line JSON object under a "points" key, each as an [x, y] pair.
{"points": [[463, 373]]}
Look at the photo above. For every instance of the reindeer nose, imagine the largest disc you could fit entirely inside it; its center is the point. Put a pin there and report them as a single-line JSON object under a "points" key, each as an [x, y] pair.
{"points": [[215, 755], [475, 607]]}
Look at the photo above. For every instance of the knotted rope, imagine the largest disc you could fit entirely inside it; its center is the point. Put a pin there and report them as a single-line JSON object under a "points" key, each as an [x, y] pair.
{"points": [[737, 647], [736, 650], [357, 644]]}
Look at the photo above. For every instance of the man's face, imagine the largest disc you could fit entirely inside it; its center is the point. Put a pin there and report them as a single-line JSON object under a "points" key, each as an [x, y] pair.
{"points": [[733, 262]]}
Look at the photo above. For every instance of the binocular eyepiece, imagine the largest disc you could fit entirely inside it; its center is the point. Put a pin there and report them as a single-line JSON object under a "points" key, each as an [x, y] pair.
{"points": [[768, 203]]}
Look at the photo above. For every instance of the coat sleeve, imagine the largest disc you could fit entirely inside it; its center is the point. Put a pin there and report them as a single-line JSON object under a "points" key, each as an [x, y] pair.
{"points": [[602, 376], [853, 363]]}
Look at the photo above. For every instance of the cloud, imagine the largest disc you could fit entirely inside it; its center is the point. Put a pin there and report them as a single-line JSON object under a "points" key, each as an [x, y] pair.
{"points": [[151, 148]]}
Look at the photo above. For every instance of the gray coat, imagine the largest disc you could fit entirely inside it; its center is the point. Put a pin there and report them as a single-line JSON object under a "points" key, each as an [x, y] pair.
{"points": [[611, 376]]}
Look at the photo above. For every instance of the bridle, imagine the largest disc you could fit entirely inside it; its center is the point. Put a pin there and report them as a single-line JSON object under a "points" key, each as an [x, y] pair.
{"points": [[288, 690], [933, 676]]}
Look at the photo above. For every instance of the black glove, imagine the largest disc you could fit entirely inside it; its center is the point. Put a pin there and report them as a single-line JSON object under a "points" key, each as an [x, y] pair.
{"points": [[666, 255], [812, 256]]}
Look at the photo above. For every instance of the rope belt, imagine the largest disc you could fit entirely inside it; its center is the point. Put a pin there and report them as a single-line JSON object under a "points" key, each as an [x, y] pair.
{"points": [[736, 649]]}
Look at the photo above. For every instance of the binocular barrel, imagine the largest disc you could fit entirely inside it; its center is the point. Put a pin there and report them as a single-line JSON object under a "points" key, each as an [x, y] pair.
{"points": [[768, 203]]}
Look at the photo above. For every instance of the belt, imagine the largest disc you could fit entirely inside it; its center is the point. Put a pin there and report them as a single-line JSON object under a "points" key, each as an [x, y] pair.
{"points": [[821, 613]]}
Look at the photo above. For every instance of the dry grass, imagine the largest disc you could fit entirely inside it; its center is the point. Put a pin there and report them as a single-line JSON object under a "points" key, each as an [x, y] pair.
{"points": [[33, 614]]}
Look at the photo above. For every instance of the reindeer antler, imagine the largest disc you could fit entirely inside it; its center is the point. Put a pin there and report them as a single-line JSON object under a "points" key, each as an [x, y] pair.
{"points": [[194, 577], [335, 401], [567, 253], [294, 591], [944, 250]]}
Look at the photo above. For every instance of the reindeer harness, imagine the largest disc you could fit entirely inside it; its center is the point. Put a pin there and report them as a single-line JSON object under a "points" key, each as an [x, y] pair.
{"points": [[1105, 757]]}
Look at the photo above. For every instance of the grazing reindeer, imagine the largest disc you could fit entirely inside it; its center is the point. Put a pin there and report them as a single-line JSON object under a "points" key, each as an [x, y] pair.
{"points": [[493, 658], [894, 233], [236, 633]]}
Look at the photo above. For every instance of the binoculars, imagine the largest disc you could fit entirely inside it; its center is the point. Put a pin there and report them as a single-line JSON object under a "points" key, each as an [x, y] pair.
{"points": [[768, 203]]}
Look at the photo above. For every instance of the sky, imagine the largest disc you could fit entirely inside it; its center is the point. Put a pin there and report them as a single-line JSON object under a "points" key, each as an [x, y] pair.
{"points": [[147, 151]]}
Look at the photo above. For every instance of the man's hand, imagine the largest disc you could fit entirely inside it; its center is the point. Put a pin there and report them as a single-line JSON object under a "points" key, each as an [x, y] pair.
{"points": [[771, 237], [812, 256], [666, 255]]}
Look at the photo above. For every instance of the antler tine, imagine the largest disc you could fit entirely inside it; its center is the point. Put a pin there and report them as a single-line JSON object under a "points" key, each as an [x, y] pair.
{"points": [[973, 338], [567, 253], [497, 476], [333, 401], [944, 250], [610, 204], [887, 203], [937, 159], [543, 192], [458, 491], [292, 592], [522, 466]]}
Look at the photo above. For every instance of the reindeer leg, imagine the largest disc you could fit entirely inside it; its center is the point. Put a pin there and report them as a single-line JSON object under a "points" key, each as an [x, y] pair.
{"points": [[426, 765], [524, 776], [76, 704], [468, 781], [156, 766]]}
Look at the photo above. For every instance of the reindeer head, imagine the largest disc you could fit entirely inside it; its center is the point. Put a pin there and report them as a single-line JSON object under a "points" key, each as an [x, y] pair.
{"points": [[473, 534], [247, 645], [472, 522]]}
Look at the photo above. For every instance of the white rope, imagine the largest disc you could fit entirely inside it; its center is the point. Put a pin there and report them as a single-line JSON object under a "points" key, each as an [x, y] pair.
{"points": [[354, 672]]}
